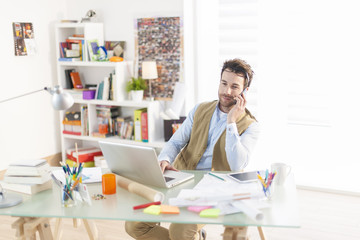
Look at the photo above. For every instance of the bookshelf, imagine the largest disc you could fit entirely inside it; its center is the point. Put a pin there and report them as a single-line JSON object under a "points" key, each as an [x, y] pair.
{"points": [[94, 73]]}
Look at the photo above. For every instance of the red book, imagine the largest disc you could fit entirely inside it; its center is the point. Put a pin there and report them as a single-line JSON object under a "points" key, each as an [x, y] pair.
{"points": [[85, 154], [144, 127]]}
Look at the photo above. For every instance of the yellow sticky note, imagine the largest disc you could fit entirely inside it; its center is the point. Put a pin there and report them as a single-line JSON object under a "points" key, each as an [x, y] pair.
{"points": [[169, 209], [210, 213], [153, 209]]}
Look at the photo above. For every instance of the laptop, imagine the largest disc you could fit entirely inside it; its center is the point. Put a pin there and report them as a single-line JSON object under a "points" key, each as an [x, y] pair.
{"points": [[140, 164]]}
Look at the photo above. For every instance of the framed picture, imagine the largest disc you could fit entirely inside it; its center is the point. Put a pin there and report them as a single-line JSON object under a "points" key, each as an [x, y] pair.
{"points": [[117, 48], [24, 41], [93, 48], [160, 39]]}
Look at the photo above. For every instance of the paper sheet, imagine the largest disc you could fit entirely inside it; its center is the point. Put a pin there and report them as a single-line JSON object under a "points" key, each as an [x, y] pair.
{"points": [[89, 175]]}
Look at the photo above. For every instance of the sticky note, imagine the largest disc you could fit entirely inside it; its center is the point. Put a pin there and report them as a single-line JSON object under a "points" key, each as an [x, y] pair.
{"points": [[198, 208], [153, 209], [210, 213], [167, 209]]}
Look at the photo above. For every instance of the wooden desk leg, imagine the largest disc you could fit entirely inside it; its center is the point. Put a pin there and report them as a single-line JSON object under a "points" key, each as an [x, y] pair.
{"points": [[261, 233], [76, 222], [45, 230], [42, 225], [235, 233], [58, 229], [91, 229], [18, 225]]}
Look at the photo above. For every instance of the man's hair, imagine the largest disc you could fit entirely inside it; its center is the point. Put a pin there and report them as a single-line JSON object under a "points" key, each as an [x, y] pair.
{"points": [[239, 66]]}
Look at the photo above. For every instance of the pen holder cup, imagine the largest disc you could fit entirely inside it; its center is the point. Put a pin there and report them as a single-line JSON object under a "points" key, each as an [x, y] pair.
{"points": [[68, 198], [109, 183], [268, 192]]}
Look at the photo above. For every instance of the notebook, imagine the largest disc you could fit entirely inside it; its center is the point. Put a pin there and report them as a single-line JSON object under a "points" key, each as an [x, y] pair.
{"points": [[140, 164]]}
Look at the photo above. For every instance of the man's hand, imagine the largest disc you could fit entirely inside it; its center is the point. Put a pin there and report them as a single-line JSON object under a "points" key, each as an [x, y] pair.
{"points": [[165, 165], [237, 110]]}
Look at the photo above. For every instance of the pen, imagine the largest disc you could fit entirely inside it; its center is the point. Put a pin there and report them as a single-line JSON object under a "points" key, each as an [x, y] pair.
{"points": [[261, 180], [216, 176], [146, 205], [74, 185], [79, 169]]}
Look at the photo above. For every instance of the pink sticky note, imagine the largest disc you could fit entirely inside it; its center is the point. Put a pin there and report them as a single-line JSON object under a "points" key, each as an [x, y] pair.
{"points": [[198, 208]]}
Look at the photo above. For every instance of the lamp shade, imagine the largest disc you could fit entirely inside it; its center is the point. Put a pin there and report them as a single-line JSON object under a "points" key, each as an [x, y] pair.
{"points": [[60, 100], [149, 70]]}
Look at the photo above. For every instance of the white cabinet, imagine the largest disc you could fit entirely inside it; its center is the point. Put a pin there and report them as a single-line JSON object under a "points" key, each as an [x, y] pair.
{"points": [[94, 73]]}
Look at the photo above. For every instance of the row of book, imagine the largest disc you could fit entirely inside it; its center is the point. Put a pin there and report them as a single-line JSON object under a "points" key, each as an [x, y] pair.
{"points": [[109, 123], [77, 123], [73, 48], [105, 89]]}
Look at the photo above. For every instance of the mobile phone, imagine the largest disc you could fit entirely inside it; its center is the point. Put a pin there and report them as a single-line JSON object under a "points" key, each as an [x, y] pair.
{"points": [[243, 92], [244, 177]]}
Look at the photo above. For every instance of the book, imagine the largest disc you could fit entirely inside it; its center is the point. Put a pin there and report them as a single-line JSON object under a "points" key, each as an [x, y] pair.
{"points": [[86, 154], [28, 169], [137, 124], [69, 84], [28, 179], [84, 121], [100, 91], [129, 130], [68, 21], [76, 44], [27, 188], [29, 163], [100, 162], [144, 127], [106, 89], [76, 81], [69, 59], [72, 127], [72, 163]]}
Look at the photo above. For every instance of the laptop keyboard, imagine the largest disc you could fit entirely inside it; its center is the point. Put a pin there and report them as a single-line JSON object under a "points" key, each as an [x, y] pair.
{"points": [[167, 179]]}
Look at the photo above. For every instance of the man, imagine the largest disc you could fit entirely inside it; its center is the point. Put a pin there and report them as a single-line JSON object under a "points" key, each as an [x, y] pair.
{"points": [[218, 135]]}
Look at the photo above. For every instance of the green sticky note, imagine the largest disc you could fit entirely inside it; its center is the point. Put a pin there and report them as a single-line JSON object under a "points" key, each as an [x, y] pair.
{"points": [[153, 209], [210, 213]]}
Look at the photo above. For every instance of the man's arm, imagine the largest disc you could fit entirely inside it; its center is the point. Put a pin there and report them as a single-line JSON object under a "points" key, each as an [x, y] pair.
{"points": [[180, 138], [239, 148]]}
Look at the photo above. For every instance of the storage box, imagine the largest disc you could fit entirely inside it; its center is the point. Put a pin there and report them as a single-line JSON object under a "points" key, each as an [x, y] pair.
{"points": [[89, 94], [168, 127]]}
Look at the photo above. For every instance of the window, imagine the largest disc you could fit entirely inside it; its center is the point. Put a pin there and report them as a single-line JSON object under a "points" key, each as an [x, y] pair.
{"points": [[305, 91]]}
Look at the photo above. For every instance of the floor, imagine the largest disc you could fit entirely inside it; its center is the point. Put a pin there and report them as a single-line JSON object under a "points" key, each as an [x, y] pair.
{"points": [[322, 215]]}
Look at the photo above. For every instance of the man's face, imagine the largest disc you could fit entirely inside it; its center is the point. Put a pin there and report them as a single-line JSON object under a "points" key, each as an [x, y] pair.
{"points": [[231, 85]]}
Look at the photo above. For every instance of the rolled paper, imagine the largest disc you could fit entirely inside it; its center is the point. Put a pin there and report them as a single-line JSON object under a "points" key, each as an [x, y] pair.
{"points": [[249, 210], [139, 189]]}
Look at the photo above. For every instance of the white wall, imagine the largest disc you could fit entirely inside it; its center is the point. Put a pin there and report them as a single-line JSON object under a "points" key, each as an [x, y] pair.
{"points": [[28, 126]]}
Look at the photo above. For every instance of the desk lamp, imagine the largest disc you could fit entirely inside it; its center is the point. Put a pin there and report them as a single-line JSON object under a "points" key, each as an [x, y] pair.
{"points": [[149, 71], [60, 101]]}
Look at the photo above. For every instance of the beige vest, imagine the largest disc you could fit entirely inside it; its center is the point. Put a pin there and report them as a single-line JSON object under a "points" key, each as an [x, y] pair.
{"points": [[190, 155]]}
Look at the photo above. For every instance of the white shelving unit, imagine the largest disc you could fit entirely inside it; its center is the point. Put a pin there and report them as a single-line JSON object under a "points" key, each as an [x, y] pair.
{"points": [[93, 73]]}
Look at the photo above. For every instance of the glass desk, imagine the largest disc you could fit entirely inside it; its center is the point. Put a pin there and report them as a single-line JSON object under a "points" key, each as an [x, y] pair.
{"points": [[282, 213]]}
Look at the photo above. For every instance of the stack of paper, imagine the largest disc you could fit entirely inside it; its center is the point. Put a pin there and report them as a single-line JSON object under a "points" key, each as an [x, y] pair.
{"points": [[226, 195]]}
